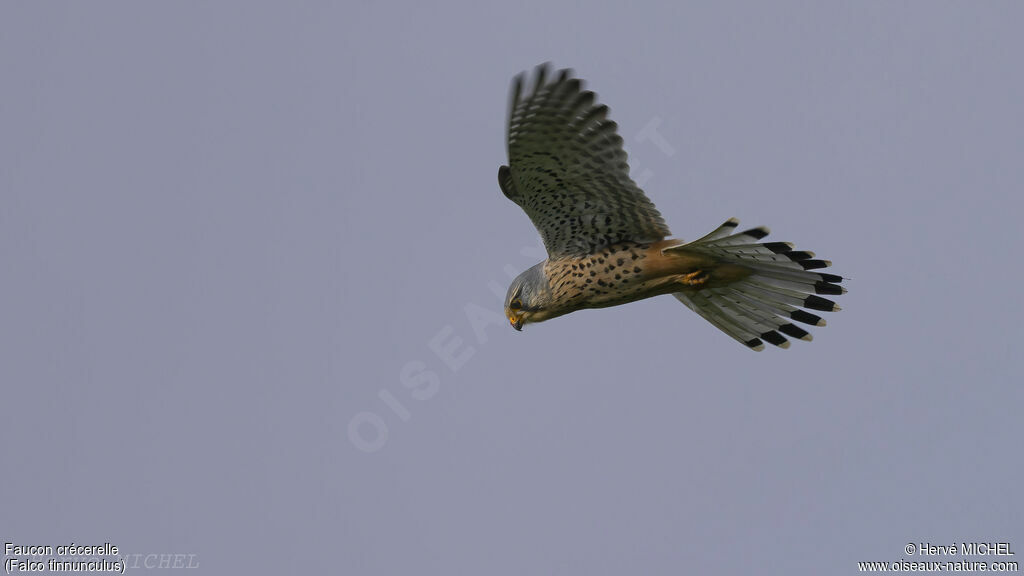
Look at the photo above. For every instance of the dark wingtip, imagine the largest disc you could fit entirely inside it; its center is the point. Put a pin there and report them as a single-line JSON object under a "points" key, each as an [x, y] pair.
{"points": [[540, 75], [799, 255], [795, 332], [757, 233], [755, 345], [818, 303], [807, 318], [516, 93], [505, 182], [773, 337], [778, 247], [826, 288], [814, 264]]}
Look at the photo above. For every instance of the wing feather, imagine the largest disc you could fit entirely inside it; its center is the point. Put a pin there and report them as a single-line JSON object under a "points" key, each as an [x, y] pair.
{"points": [[568, 171]]}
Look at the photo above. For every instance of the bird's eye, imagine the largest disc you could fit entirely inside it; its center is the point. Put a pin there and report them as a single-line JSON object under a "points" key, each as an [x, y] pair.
{"points": [[515, 304]]}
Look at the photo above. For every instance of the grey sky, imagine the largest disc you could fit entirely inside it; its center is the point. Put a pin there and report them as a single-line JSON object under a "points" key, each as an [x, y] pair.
{"points": [[227, 229]]}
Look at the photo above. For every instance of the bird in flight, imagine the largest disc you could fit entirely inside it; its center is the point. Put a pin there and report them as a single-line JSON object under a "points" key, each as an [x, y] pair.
{"points": [[608, 245]]}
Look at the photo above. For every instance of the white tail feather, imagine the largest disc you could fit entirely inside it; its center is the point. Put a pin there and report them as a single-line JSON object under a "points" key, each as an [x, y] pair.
{"points": [[761, 306]]}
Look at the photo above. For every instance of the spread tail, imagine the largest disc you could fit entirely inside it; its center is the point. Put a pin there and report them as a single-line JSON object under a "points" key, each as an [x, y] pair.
{"points": [[759, 307]]}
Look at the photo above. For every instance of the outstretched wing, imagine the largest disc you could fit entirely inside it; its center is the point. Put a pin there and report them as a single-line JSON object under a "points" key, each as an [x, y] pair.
{"points": [[568, 171]]}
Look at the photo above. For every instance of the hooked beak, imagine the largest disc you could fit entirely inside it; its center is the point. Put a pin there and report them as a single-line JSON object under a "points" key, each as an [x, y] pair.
{"points": [[516, 322]]}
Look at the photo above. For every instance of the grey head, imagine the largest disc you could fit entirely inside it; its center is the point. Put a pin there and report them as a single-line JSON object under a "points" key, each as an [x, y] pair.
{"points": [[528, 298]]}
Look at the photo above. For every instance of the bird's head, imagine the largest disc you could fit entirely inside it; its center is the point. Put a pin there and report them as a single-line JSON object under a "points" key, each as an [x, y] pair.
{"points": [[528, 298]]}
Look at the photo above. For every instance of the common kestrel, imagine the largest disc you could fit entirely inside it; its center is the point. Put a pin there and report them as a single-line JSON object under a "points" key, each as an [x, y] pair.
{"points": [[608, 245]]}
